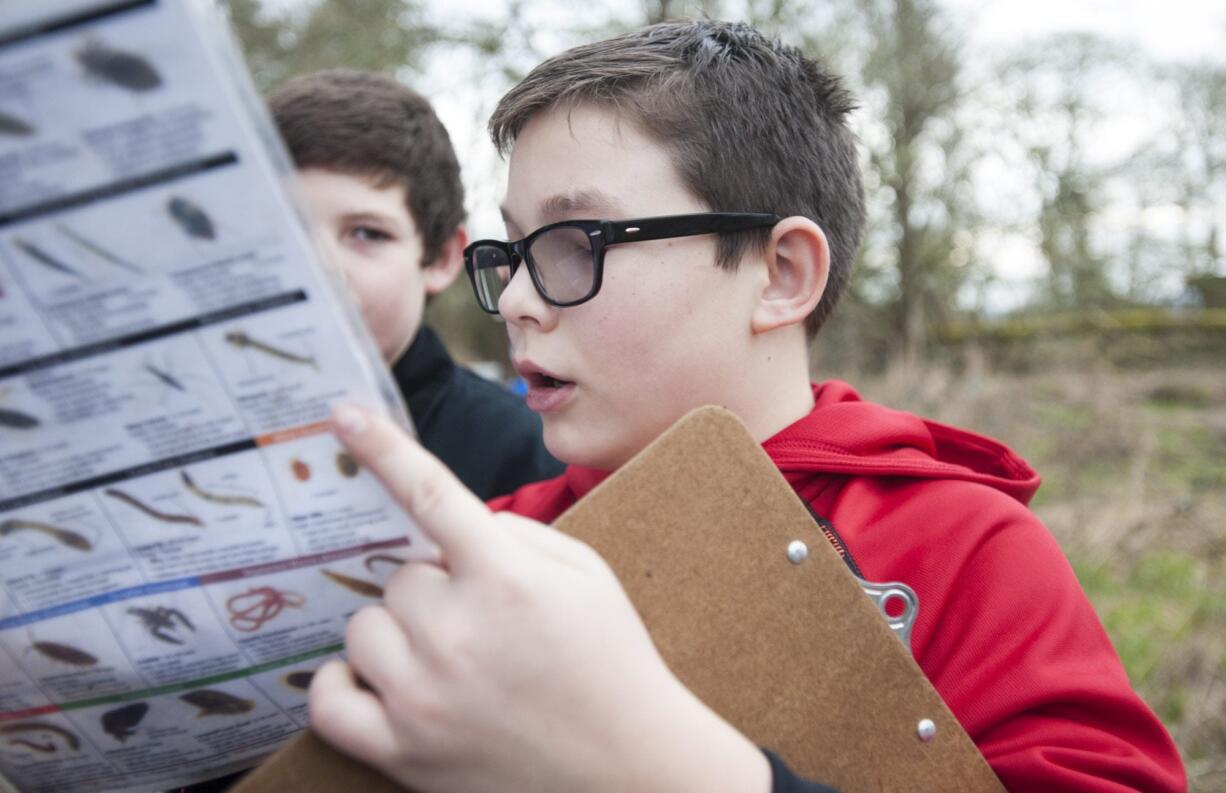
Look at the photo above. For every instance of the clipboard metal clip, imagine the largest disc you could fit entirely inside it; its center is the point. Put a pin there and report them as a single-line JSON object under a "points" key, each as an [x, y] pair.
{"points": [[892, 597]]}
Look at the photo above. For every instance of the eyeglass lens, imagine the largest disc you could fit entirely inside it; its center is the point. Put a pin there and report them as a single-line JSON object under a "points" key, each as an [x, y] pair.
{"points": [[493, 271], [562, 258]]}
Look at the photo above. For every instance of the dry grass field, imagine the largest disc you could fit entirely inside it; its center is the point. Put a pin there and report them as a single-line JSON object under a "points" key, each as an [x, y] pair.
{"points": [[1134, 470]]}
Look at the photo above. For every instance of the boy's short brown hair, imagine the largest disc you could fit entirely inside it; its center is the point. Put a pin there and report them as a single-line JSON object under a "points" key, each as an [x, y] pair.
{"points": [[752, 125], [372, 126]]}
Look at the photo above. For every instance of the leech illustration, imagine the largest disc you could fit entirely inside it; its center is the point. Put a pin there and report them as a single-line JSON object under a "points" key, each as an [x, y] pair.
{"points": [[161, 622], [165, 377], [219, 498], [165, 517], [14, 126], [97, 249], [362, 587], [44, 748], [212, 702], [300, 680], [191, 218], [241, 340], [347, 465], [21, 727], [302, 471], [118, 67], [65, 536], [121, 722], [369, 561], [15, 419], [65, 654], [251, 609], [42, 257]]}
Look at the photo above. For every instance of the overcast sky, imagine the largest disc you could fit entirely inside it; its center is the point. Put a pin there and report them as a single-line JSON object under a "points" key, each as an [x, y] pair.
{"points": [[1167, 29]]}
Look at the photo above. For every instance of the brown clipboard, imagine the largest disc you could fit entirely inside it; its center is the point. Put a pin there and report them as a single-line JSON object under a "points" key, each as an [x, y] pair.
{"points": [[795, 655]]}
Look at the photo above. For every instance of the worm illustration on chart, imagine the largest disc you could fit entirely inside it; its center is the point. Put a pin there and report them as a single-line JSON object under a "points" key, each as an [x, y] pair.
{"points": [[156, 514], [225, 499], [61, 535], [39, 736], [251, 609], [241, 340], [361, 586]]}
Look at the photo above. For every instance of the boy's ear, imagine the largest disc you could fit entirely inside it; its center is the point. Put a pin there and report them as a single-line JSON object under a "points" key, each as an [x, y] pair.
{"points": [[439, 273], [797, 262]]}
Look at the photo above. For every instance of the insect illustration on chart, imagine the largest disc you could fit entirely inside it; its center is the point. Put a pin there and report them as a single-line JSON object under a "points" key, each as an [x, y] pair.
{"points": [[191, 219], [59, 534], [251, 609], [96, 249], [165, 375], [14, 126], [41, 737], [346, 465], [299, 680], [47, 261], [163, 623], [243, 341], [159, 515], [17, 112], [120, 68], [300, 469], [212, 702], [62, 653], [13, 419], [121, 723]]}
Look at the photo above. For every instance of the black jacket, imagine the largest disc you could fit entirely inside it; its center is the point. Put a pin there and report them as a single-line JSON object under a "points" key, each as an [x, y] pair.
{"points": [[483, 432]]}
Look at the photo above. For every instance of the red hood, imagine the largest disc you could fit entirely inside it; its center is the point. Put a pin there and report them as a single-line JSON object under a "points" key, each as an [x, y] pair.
{"points": [[846, 435]]}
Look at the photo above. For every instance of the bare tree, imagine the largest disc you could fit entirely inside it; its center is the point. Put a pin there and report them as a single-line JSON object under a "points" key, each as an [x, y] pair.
{"points": [[376, 35], [1059, 89]]}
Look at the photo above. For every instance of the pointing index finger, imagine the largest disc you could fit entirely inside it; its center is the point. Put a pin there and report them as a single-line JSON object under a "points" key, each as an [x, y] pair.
{"points": [[458, 522]]}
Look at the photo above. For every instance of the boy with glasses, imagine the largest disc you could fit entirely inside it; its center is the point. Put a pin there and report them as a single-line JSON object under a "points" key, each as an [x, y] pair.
{"points": [[684, 205]]}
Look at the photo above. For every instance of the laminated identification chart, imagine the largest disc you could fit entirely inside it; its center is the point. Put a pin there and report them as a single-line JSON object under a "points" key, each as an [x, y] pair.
{"points": [[181, 539]]}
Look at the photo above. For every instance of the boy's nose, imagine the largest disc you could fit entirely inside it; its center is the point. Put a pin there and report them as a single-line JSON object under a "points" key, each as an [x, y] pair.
{"points": [[520, 303]]}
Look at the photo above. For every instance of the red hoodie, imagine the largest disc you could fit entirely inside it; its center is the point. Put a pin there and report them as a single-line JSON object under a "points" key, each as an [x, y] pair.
{"points": [[1004, 631]]}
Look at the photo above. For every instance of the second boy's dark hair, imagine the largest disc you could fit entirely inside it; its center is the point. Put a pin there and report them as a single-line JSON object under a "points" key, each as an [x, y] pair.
{"points": [[752, 125], [370, 125]]}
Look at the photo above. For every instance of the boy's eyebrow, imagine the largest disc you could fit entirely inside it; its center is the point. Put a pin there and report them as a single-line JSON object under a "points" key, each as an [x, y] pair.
{"points": [[591, 201], [366, 215], [566, 205]]}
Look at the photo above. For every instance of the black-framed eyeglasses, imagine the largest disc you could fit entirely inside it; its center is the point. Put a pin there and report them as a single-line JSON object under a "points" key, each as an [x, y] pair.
{"points": [[566, 260]]}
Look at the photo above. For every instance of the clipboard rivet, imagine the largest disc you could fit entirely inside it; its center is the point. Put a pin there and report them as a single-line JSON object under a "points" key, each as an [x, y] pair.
{"points": [[797, 551], [926, 730]]}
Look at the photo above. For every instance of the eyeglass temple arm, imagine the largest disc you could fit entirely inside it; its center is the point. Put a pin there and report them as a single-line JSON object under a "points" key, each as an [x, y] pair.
{"points": [[683, 225]]}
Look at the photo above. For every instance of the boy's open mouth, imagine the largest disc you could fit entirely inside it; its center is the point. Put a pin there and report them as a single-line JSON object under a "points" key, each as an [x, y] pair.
{"points": [[539, 380], [546, 392]]}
